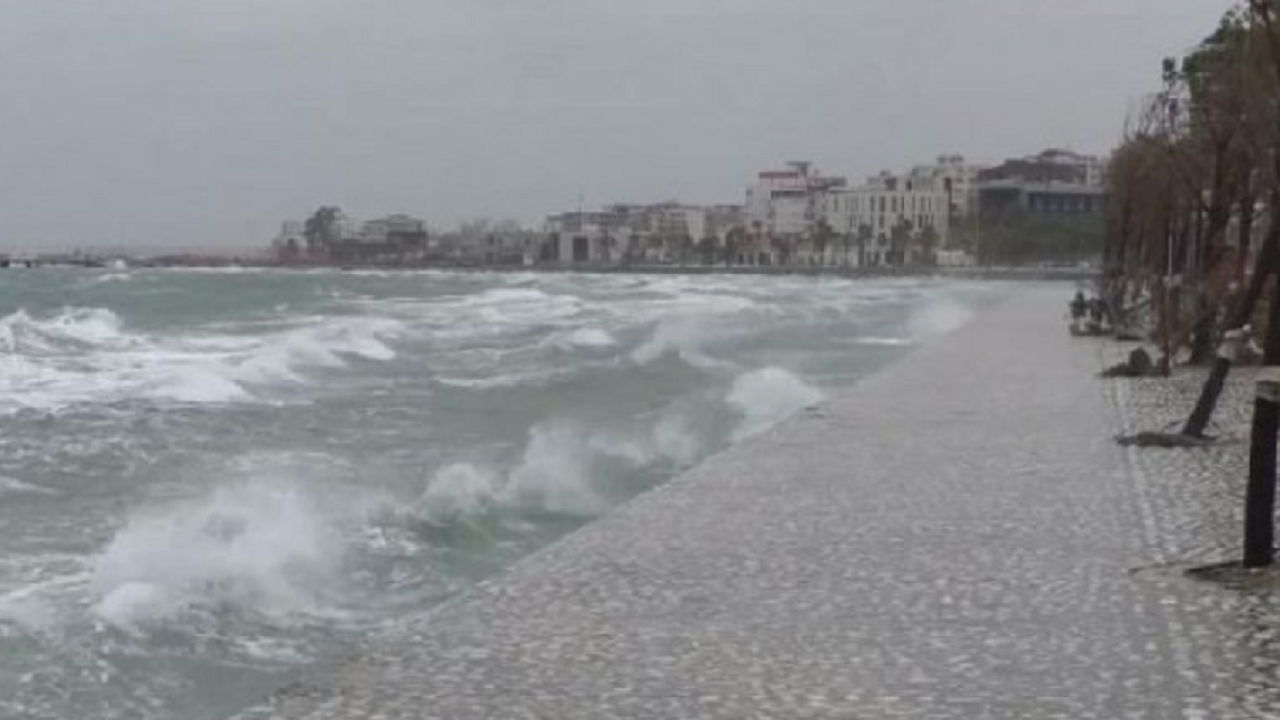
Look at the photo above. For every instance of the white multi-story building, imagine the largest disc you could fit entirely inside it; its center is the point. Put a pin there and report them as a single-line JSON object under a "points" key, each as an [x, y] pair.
{"points": [[958, 178], [582, 237], [891, 218], [659, 232], [788, 203], [390, 228]]}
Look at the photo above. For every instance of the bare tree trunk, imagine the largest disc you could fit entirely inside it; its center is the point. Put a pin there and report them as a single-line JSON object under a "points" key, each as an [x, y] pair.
{"points": [[1236, 320]]}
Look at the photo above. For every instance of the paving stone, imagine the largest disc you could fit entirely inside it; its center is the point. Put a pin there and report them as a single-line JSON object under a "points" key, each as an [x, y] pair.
{"points": [[957, 537]]}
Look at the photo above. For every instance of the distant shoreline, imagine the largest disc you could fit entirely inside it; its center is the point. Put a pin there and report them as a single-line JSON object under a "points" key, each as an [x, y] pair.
{"points": [[972, 273]]}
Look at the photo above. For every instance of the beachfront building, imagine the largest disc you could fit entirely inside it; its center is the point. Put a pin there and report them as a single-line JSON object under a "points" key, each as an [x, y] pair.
{"points": [[890, 220], [1055, 183], [654, 233], [788, 203], [958, 179], [580, 237], [333, 237], [783, 209]]}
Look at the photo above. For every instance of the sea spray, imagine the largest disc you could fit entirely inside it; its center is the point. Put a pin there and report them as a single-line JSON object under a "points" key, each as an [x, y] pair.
{"points": [[86, 355], [72, 330], [681, 337], [186, 419], [460, 491], [565, 468], [255, 546], [555, 473], [938, 316], [767, 397]]}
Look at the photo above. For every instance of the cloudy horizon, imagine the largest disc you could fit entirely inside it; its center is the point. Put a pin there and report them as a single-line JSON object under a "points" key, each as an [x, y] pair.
{"points": [[203, 123]]}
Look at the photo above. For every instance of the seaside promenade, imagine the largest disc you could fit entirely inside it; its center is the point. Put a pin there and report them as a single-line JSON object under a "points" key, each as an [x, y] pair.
{"points": [[956, 537]]}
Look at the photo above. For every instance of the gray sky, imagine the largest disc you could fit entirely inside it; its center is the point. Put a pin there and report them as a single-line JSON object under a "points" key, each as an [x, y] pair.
{"points": [[206, 122]]}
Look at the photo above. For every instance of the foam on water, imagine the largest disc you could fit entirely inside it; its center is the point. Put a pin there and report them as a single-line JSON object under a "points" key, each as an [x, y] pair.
{"points": [[12, 486], [886, 341], [683, 338], [938, 316], [555, 473], [570, 394], [72, 329], [85, 355], [674, 437], [256, 546], [564, 469], [767, 397], [460, 490], [591, 338]]}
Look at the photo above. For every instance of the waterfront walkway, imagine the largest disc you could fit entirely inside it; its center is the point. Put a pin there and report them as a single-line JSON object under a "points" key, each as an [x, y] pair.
{"points": [[956, 537]]}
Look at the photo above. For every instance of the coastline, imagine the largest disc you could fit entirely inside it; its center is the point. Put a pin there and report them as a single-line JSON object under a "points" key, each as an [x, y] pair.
{"points": [[898, 550], [1012, 273]]}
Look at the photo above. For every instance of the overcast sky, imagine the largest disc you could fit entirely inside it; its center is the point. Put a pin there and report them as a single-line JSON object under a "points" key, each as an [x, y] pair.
{"points": [[207, 122]]}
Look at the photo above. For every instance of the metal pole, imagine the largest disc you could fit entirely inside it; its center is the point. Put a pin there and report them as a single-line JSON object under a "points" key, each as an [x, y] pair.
{"points": [[1260, 500]]}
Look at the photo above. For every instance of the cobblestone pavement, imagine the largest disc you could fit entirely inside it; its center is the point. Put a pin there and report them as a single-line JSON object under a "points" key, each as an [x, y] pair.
{"points": [[957, 537]]}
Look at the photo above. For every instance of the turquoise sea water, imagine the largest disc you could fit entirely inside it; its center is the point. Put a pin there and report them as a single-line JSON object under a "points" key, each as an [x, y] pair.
{"points": [[211, 479]]}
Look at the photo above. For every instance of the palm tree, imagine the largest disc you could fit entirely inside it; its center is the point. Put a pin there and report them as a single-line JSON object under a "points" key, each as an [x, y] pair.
{"points": [[732, 242], [322, 231], [928, 240], [899, 236], [707, 250], [823, 234], [865, 235]]}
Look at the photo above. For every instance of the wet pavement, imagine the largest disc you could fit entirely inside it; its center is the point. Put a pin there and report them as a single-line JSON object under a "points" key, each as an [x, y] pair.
{"points": [[957, 537]]}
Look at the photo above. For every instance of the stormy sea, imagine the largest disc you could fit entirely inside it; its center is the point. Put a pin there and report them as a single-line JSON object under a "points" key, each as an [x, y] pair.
{"points": [[210, 480]]}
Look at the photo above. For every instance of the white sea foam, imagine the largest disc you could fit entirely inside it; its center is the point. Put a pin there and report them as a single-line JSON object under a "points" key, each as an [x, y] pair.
{"points": [[71, 330], [12, 486], [198, 385], [591, 338], [555, 473], [682, 337], [938, 316], [39, 603], [560, 471], [261, 547], [885, 341], [85, 355], [766, 397], [460, 490], [675, 438]]}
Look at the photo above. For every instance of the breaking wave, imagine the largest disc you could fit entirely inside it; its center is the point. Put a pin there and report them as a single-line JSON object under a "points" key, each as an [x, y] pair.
{"points": [[12, 486], [767, 397], [572, 469], [938, 317], [254, 547], [71, 330], [565, 468], [683, 338], [84, 355]]}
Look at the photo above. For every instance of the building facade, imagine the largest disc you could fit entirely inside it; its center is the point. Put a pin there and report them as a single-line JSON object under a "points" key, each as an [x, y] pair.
{"points": [[787, 204], [892, 219], [657, 233], [1055, 183]]}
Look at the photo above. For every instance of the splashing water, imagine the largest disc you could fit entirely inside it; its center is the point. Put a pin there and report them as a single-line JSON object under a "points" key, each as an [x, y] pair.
{"points": [[211, 479], [767, 397], [255, 546]]}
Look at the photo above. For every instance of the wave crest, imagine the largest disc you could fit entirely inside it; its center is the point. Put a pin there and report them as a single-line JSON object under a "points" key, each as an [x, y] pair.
{"points": [[256, 547], [767, 397]]}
